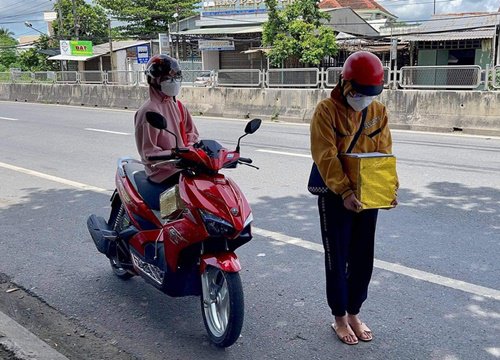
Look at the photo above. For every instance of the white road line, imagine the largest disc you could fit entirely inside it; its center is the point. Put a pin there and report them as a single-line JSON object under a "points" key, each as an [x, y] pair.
{"points": [[6, 118], [107, 131], [54, 178], [283, 153], [275, 236], [395, 268]]}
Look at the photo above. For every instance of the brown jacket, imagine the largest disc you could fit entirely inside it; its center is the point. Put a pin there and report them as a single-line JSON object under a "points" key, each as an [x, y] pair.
{"points": [[333, 127]]}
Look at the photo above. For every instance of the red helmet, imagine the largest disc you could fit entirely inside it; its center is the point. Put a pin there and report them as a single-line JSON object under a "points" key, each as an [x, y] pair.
{"points": [[365, 72], [162, 65]]}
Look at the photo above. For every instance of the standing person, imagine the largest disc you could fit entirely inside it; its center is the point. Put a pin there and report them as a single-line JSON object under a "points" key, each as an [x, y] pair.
{"points": [[164, 77], [349, 233]]}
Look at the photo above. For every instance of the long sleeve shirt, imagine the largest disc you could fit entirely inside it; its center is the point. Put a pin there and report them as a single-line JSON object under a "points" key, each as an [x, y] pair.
{"points": [[151, 141], [333, 127]]}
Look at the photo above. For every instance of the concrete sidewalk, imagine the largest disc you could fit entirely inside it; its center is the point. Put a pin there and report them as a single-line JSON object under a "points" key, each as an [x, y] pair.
{"points": [[24, 344]]}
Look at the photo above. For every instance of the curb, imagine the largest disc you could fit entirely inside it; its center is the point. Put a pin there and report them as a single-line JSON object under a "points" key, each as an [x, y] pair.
{"points": [[24, 344]]}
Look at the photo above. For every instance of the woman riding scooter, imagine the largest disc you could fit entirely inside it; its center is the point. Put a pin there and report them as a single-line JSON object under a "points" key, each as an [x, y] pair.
{"points": [[164, 77]]}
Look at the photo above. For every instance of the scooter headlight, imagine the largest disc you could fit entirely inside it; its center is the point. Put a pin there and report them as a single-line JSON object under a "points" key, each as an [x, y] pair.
{"points": [[215, 225], [248, 221]]}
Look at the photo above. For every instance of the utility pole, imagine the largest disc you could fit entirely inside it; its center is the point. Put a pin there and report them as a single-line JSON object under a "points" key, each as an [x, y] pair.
{"points": [[434, 7], [60, 31], [110, 45], [75, 20], [60, 19], [177, 35]]}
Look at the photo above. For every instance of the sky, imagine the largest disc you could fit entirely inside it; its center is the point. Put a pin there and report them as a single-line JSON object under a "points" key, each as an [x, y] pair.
{"points": [[13, 13]]}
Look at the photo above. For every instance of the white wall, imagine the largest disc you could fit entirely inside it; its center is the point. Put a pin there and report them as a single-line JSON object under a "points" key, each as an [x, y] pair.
{"points": [[436, 110], [121, 60]]}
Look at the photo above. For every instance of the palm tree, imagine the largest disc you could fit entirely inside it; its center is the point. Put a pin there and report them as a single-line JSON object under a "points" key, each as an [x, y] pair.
{"points": [[4, 32]]}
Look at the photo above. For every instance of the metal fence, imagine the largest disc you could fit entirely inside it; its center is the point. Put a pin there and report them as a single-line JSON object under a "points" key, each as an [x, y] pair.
{"points": [[440, 77], [238, 78], [22, 77], [191, 65], [495, 77], [93, 77], [119, 77], [304, 77], [331, 76], [67, 77], [471, 77], [5, 77]]}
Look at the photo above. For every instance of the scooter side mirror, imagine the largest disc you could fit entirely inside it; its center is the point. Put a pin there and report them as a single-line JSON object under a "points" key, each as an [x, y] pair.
{"points": [[253, 126], [156, 120]]}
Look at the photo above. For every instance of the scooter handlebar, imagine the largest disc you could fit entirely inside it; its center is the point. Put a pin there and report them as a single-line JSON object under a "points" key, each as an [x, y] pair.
{"points": [[161, 157]]}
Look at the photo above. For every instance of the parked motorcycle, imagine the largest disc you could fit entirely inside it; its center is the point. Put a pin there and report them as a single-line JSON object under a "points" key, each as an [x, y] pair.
{"points": [[182, 239]]}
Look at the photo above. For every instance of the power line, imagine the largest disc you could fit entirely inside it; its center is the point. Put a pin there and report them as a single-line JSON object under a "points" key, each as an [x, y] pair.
{"points": [[7, 5], [20, 21], [11, 17]]}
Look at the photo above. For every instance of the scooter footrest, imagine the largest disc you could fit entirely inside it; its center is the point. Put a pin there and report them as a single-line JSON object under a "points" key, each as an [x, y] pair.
{"points": [[101, 233]]}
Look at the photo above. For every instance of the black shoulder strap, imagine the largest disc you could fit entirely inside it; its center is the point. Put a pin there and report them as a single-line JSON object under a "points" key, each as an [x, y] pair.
{"points": [[356, 137]]}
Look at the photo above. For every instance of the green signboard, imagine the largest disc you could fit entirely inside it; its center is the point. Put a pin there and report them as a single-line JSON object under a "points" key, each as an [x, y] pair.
{"points": [[81, 48]]}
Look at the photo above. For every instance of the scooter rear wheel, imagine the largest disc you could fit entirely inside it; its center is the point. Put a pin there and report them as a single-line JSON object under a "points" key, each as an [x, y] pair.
{"points": [[118, 270], [222, 305]]}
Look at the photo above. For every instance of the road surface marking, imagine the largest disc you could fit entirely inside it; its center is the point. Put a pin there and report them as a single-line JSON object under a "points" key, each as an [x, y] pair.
{"points": [[276, 236], [395, 268], [54, 178], [6, 118], [283, 153], [107, 131]]}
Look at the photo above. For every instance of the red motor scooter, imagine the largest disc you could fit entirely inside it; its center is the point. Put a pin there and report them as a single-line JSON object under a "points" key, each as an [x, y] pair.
{"points": [[182, 238]]}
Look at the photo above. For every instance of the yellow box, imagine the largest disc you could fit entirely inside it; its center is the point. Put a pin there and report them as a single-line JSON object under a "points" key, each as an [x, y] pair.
{"points": [[171, 204], [373, 176]]}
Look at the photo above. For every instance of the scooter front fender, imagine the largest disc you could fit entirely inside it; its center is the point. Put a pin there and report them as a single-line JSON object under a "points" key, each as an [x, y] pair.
{"points": [[227, 262]]}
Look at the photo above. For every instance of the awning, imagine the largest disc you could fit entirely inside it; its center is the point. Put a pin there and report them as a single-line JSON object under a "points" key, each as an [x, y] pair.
{"points": [[221, 30], [102, 50], [72, 57], [452, 35], [258, 50]]}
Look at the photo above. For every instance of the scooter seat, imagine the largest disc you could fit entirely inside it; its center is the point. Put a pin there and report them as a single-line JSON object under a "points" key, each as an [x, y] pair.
{"points": [[149, 191]]}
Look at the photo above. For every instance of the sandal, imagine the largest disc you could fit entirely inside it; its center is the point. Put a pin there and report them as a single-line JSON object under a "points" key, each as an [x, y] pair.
{"points": [[362, 331], [344, 332]]}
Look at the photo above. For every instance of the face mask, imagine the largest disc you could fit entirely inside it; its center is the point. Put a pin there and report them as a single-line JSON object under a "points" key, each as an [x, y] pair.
{"points": [[358, 103], [170, 87]]}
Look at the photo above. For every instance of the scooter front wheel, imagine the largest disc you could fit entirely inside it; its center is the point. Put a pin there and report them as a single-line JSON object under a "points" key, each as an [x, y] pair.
{"points": [[222, 305]]}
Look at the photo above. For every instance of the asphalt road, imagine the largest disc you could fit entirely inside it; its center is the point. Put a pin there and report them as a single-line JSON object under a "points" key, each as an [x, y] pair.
{"points": [[435, 291]]}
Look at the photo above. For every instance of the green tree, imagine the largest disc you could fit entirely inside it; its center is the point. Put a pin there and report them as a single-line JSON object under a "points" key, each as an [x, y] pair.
{"points": [[296, 33], [91, 21], [4, 32], [35, 59], [8, 57], [146, 18]]}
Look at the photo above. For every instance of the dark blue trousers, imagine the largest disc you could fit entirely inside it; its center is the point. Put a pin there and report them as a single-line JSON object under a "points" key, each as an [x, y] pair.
{"points": [[348, 240]]}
